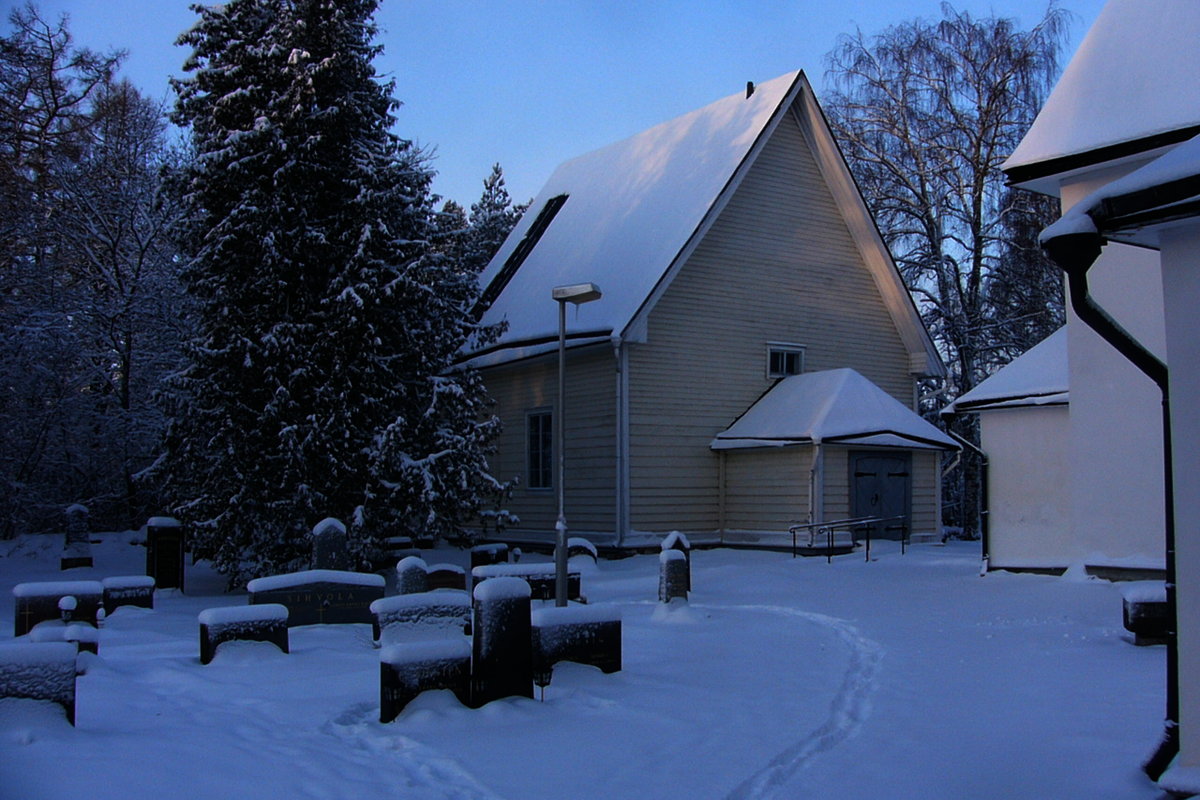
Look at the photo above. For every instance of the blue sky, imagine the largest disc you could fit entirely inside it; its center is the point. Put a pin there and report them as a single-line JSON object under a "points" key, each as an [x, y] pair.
{"points": [[530, 84]]}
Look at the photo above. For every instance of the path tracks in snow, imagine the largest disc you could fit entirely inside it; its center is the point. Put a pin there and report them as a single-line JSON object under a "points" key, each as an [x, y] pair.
{"points": [[849, 709]]}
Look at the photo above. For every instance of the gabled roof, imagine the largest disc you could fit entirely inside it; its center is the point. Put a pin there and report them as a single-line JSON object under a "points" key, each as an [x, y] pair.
{"points": [[634, 210], [1129, 89], [837, 406], [1039, 377]]}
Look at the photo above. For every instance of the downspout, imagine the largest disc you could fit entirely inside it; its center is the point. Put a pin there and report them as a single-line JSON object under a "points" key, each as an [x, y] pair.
{"points": [[621, 351], [1075, 253], [985, 538]]}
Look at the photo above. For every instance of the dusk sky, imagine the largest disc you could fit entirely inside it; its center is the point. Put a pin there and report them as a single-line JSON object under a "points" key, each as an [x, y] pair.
{"points": [[530, 84]]}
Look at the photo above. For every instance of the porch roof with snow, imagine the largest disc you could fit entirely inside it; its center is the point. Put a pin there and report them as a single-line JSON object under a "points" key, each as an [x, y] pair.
{"points": [[837, 406], [1039, 377], [627, 216], [1130, 89]]}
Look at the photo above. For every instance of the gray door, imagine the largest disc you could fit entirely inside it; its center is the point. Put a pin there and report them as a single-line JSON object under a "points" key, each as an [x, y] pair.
{"points": [[881, 486]]}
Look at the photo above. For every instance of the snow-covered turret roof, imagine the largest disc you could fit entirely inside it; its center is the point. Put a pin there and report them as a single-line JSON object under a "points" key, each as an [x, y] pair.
{"points": [[1130, 88], [622, 217], [1039, 377], [836, 406]]}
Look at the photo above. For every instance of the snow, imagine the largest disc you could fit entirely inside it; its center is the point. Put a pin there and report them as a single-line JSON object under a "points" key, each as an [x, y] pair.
{"points": [[1181, 163], [567, 615], [667, 556], [228, 615], [518, 570], [51, 588], [906, 677], [437, 597], [162, 522], [834, 405], [411, 562], [674, 539], [1133, 75], [631, 208], [273, 582], [427, 650], [127, 582], [1038, 377], [1145, 592], [329, 522], [502, 588]]}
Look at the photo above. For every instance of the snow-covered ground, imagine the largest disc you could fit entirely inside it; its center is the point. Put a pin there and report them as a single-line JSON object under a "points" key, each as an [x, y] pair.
{"points": [[907, 677]]}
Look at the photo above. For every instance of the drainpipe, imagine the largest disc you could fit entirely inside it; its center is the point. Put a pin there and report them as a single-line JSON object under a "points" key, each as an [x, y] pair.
{"points": [[984, 512], [1075, 253]]}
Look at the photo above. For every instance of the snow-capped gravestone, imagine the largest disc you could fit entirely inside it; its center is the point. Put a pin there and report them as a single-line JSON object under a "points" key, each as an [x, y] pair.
{"points": [[672, 576], [502, 657], [484, 554], [128, 590], [320, 596], [447, 576], [412, 576], [39, 671], [261, 623], [164, 552], [77, 548], [329, 545], [583, 634], [441, 614], [406, 670], [677, 541], [39, 601], [540, 577]]}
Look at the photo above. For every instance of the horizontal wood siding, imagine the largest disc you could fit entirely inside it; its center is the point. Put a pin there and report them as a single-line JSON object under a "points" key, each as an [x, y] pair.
{"points": [[837, 483], [590, 498], [767, 490], [778, 265], [926, 492]]}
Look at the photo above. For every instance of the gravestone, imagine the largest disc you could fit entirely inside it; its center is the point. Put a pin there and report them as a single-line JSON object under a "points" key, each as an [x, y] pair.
{"points": [[128, 590], [320, 596], [39, 671], [77, 548], [679, 542], [38, 602], [406, 670], [502, 654], [441, 614], [672, 576], [447, 576], [164, 552], [267, 622], [583, 634], [578, 547], [484, 554], [412, 576], [329, 545], [540, 577]]}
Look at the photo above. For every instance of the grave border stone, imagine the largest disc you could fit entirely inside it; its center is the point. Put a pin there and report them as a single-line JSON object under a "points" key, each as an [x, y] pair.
{"points": [[265, 622], [320, 596]]}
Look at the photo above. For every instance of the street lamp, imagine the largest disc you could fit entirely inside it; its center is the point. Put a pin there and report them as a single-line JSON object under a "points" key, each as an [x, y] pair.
{"points": [[577, 293]]}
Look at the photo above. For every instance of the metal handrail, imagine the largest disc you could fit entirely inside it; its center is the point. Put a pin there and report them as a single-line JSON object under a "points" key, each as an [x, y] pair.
{"points": [[852, 523]]}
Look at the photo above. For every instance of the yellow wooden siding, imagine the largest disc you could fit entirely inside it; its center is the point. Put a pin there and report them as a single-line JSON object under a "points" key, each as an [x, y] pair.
{"points": [[778, 265], [926, 492], [837, 483], [767, 490], [591, 437]]}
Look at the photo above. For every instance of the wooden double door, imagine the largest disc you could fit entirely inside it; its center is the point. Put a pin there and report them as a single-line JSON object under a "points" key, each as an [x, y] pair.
{"points": [[881, 487]]}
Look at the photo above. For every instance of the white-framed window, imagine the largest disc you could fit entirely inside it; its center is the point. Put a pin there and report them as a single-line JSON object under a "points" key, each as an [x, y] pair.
{"points": [[784, 359], [539, 448]]}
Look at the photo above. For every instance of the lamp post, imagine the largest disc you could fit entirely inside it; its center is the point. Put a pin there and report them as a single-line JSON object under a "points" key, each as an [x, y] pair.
{"points": [[577, 293]]}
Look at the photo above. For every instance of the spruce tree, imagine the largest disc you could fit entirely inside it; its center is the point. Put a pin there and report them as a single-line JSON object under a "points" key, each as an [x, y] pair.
{"points": [[492, 218], [316, 385]]}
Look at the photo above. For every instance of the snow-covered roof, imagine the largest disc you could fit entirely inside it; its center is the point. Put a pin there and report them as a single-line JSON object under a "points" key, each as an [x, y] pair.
{"points": [[631, 213], [835, 406], [1039, 377], [1133, 79], [631, 208], [1132, 208]]}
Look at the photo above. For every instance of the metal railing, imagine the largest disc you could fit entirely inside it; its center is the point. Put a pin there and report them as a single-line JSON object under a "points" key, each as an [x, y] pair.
{"points": [[827, 529]]}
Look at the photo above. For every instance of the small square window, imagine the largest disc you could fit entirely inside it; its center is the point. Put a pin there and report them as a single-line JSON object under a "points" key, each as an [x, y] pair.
{"points": [[539, 449], [784, 360]]}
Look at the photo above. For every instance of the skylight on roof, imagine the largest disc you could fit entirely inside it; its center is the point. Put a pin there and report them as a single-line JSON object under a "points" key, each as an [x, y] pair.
{"points": [[520, 253]]}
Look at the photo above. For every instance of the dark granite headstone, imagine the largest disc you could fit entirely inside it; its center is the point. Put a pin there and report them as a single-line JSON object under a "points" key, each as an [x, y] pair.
{"points": [[447, 576], [128, 590], [583, 634], [329, 545], [484, 554], [77, 548], [266, 622], [677, 541], [39, 671], [406, 670], [672, 576], [320, 596], [37, 602], [412, 576], [577, 546], [164, 552], [502, 657]]}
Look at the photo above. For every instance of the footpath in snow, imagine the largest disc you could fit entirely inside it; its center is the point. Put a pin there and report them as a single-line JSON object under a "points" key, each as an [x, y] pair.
{"points": [[907, 677]]}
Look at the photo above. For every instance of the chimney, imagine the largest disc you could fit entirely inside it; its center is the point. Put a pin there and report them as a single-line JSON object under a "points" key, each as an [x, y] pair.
{"points": [[749, 88]]}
